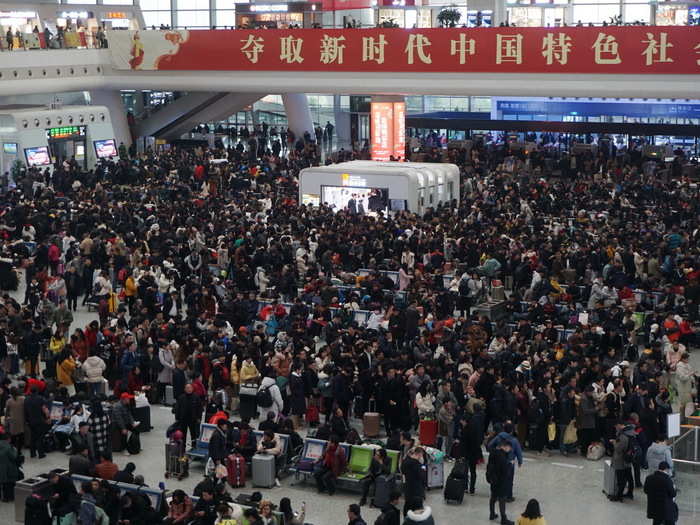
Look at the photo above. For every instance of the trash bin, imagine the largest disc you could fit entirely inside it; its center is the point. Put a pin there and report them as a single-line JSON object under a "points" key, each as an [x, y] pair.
{"points": [[24, 489]]}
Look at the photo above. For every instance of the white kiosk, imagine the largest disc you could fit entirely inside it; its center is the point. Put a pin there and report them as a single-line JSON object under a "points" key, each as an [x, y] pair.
{"points": [[380, 186]]}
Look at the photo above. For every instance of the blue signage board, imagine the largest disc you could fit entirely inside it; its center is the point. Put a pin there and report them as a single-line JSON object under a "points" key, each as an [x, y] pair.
{"points": [[597, 109]]}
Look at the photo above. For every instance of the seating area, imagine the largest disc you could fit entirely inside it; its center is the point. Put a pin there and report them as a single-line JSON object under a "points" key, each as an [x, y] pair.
{"points": [[359, 460]]}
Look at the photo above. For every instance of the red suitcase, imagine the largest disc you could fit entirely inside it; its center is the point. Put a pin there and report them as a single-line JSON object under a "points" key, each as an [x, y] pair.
{"points": [[235, 466], [427, 432], [312, 415]]}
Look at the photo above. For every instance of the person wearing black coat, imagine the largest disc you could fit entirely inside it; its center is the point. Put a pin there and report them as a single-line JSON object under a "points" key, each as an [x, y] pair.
{"points": [[658, 487], [63, 495], [413, 485], [298, 395], [36, 414], [471, 437], [188, 413], [218, 449], [498, 476]]}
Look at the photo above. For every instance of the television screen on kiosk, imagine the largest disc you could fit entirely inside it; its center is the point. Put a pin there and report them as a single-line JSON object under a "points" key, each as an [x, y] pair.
{"points": [[106, 149], [37, 156]]}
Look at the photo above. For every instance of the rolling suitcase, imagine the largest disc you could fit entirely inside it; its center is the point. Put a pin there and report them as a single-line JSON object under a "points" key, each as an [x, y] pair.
{"points": [[454, 490], [169, 395], [609, 479], [370, 424], [383, 487], [436, 475], [427, 432], [263, 470], [235, 467]]}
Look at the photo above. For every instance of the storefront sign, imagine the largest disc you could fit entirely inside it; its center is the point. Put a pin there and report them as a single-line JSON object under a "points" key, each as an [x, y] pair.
{"points": [[269, 8], [615, 50], [17, 14], [75, 14], [114, 15]]}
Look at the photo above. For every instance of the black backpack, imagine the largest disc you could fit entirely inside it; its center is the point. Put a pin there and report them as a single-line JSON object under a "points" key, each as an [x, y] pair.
{"points": [[264, 397], [633, 452]]}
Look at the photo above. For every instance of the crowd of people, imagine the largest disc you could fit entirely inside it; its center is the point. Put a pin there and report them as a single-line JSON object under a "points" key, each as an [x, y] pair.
{"points": [[208, 276]]}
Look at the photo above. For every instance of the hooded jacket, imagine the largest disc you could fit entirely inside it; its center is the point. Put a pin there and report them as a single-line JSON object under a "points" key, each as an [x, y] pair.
{"points": [[420, 517]]}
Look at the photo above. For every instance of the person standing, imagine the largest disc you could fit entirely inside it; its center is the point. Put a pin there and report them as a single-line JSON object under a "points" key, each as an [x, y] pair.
{"points": [[589, 412], [498, 476], [658, 487], [14, 418], [188, 413], [623, 467], [9, 471], [36, 414], [166, 358], [413, 485], [471, 438]]}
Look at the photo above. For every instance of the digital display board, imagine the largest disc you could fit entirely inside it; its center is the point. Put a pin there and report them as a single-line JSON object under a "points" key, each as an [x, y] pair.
{"points": [[65, 132]]}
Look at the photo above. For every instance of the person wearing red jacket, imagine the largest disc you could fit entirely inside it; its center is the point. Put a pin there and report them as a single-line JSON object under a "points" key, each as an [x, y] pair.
{"points": [[332, 466]]}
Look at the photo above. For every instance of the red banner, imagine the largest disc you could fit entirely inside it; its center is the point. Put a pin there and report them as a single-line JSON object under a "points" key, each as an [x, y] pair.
{"points": [[616, 50]]}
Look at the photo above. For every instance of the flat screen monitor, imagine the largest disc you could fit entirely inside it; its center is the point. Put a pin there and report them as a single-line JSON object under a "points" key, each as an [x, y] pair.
{"points": [[37, 156], [10, 148], [105, 149], [356, 199]]}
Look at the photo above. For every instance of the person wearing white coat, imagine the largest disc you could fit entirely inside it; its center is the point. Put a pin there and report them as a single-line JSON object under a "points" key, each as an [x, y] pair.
{"points": [[94, 367], [165, 376], [277, 401], [261, 280]]}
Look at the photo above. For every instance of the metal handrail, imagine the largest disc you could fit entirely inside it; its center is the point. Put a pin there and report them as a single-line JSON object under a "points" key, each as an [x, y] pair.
{"points": [[696, 457]]}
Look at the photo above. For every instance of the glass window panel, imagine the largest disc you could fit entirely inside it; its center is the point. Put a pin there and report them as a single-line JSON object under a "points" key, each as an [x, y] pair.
{"points": [[225, 18], [155, 5], [637, 13], [81, 2], [553, 17], [225, 4], [193, 18], [118, 2], [156, 18], [525, 16], [481, 104], [591, 1], [595, 13], [193, 4]]}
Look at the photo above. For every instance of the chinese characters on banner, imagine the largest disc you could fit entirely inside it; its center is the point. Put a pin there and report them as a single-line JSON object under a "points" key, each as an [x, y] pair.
{"points": [[388, 130], [615, 50]]}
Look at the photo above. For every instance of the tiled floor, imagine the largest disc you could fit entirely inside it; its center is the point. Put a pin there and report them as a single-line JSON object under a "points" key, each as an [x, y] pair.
{"points": [[569, 489]]}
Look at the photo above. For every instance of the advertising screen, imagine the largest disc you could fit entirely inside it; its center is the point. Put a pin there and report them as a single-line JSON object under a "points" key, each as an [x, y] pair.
{"points": [[10, 148], [105, 149], [382, 130], [37, 156], [354, 199]]}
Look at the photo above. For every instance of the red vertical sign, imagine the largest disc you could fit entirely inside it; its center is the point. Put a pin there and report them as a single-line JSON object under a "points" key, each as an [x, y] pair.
{"points": [[382, 130], [399, 130]]}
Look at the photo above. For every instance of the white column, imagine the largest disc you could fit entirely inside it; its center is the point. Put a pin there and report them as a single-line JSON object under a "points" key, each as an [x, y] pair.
{"points": [[296, 106], [117, 113]]}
